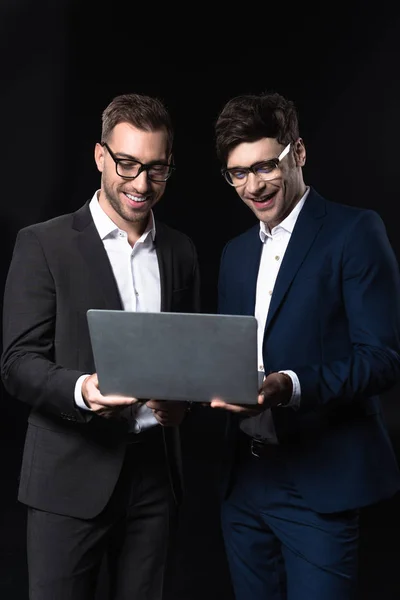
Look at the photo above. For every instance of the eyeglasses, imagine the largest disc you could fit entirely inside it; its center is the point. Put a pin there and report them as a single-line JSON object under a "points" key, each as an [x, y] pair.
{"points": [[127, 168], [264, 170]]}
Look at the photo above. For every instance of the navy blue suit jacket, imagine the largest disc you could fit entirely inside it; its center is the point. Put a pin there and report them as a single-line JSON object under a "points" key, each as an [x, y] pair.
{"points": [[334, 319]]}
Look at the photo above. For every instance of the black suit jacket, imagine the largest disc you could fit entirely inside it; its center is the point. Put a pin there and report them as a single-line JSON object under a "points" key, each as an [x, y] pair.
{"points": [[58, 271]]}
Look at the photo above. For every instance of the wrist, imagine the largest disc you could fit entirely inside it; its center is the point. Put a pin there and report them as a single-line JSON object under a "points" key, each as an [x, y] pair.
{"points": [[287, 389], [83, 392]]}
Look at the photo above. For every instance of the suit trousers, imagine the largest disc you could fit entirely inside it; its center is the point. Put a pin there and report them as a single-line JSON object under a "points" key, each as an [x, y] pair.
{"points": [[277, 546], [133, 533]]}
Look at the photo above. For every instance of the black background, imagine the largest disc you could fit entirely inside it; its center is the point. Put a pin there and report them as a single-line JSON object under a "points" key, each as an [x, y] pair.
{"points": [[62, 62]]}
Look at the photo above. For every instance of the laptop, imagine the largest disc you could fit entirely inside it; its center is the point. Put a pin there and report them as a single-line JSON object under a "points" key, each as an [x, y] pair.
{"points": [[175, 356]]}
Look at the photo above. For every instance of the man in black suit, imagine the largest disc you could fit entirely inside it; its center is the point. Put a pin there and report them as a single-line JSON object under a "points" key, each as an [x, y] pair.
{"points": [[100, 475]]}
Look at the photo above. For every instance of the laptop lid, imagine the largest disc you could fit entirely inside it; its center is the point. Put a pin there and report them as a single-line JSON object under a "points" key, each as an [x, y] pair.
{"points": [[175, 356]]}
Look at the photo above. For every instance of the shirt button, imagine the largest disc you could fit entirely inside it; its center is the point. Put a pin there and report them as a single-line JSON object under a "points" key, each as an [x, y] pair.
{"points": [[270, 292], [261, 367], [136, 293], [277, 257]]}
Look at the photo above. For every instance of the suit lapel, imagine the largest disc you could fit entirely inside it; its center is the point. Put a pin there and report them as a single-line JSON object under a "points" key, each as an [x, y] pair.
{"points": [[165, 263], [91, 248], [304, 233], [253, 256]]}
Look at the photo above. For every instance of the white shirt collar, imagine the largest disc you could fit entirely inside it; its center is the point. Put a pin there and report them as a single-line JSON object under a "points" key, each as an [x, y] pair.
{"points": [[105, 226], [288, 223]]}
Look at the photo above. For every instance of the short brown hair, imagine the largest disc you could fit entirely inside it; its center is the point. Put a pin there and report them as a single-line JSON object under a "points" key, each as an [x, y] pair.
{"points": [[143, 112], [249, 118]]}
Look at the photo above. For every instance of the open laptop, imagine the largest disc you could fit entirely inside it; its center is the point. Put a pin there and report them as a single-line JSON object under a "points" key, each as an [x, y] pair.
{"points": [[175, 356]]}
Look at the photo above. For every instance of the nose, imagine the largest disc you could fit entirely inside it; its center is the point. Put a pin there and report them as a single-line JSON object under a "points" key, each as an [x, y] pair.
{"points": [[141, 182], [254, 183]]}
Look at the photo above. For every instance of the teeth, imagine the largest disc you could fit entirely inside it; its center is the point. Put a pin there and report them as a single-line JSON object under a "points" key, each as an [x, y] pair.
{"points": [[266, 198], [135, 198]]}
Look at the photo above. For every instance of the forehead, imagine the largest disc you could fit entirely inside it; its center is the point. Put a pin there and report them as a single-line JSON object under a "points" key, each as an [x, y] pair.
{"points": [[143, 145], [248, 153]]}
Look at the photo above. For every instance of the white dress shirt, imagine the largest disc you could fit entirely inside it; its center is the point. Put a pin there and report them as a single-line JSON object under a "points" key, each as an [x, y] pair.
{"points": [[137, 274], [274, 247]]}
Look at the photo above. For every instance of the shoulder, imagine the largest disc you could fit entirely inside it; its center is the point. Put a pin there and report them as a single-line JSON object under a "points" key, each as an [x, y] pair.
{"points": [[51, 225], [61, 223], [343, 222], [177, 239], [53, 230], [52, 233], [346, 214], [356, 232], [243, 241]]}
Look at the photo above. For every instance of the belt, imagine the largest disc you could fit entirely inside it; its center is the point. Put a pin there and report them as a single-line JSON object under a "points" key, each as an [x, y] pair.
{"points": [[150, 435], [260, 448]]}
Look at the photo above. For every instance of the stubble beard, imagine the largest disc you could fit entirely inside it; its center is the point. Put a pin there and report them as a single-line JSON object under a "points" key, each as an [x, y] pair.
{"points": [[123, 212]]}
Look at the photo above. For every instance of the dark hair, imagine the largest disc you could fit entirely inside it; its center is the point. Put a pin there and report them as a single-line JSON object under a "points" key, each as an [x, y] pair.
{"points": [[249, 117], [141, 111]]}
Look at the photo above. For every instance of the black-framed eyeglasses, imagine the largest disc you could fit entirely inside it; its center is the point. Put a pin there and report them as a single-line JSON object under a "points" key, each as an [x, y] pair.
{"points": [[128, 168], [265, 170]]}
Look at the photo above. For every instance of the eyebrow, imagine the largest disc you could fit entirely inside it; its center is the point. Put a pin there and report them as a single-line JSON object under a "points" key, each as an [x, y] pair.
{"points": [[130, 157], [281, 156], [258, 162], [123, 155]]}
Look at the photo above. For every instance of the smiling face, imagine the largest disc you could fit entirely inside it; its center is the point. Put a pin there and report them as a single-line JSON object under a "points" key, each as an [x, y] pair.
{"points": [[271, 200], [128, 201]]}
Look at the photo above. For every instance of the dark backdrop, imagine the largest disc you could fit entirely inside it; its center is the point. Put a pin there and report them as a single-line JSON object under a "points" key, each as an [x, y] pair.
{"points": [[61, 63]]}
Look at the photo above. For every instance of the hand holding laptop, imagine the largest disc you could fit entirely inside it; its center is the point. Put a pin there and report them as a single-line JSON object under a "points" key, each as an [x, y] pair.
{"points": [[275, 390], [105, 406], [168, 413]]}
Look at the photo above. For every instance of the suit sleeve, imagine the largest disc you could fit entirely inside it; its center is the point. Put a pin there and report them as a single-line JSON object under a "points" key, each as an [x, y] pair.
{"points": [[371, 296], [28, 370], [196, 296], [222, 308]]}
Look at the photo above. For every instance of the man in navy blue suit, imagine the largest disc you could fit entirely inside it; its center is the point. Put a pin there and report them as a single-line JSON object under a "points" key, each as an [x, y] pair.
{"points": [[323, 282]]}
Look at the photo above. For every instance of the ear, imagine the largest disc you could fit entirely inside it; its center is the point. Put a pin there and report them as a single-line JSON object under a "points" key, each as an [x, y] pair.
{"points": [[99, 156], [299, 152]]}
